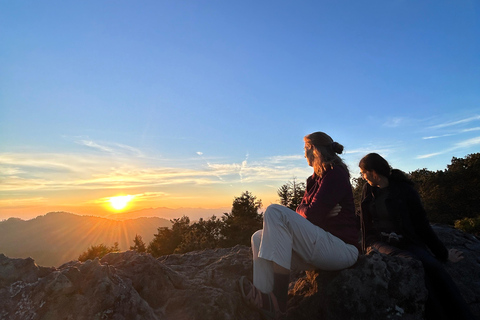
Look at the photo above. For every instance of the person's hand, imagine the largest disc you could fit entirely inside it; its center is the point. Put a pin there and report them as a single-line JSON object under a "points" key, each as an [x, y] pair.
{"points": [[334, 212], [455, 255]]}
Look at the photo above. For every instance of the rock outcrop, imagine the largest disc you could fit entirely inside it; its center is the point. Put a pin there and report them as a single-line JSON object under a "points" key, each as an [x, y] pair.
{"points": [[202, 285]]}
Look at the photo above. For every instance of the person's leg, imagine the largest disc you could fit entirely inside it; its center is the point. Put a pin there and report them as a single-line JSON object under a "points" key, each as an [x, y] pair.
{"points": [[272, 271], [268, 277], [442, 290], [272, 255], [262, 269], [286, 232], [281, 280], [444, 300], [433, 308], [285, 235]]}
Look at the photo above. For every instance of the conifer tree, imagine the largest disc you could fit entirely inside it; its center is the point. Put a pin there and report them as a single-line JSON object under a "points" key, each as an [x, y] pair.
{"points": [[243, 221], [291, 193], [138, 244]]}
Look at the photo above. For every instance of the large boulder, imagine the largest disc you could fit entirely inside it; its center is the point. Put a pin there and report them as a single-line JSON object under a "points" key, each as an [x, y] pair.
{"points": [[202, 285], [377, 287]]}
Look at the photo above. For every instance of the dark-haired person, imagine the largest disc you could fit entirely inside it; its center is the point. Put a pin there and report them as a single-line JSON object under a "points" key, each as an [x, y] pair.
{"points": [[323, 233], [395, 223]]}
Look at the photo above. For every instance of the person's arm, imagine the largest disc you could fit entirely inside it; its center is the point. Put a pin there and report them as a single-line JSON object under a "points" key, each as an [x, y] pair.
{"points": [[368, 232], [330, 191], [309, 185], [423, 228]]}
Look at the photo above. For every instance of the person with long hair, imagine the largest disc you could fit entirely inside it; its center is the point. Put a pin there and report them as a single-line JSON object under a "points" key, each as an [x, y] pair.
{"points": [[323, 233], [394, 222]]}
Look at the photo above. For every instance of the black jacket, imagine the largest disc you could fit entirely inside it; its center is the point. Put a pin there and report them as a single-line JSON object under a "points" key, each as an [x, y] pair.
{"points": [[409, 217]]}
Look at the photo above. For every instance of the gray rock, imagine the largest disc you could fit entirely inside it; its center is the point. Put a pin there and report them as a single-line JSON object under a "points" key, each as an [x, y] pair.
{"points": [[202, 285], [376, 287]]}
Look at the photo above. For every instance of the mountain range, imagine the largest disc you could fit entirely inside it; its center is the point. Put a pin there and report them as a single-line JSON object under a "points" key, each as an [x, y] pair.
{"points": [[59, 237], [168, 213]]}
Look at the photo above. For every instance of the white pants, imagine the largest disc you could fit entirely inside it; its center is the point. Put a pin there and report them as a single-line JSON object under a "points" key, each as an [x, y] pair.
{"points": [[295, 243]]}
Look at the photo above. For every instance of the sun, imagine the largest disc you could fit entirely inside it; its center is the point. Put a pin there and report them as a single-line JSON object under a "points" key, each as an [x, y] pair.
{"points": [[120, 202]]}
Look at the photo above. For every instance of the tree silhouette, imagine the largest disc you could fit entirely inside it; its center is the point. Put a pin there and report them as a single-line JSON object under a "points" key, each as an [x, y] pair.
{"points": [[291, 194], [453, 193], [138, 244], [167, 240], [243, 221], [98, 251], [204, 234], [357, 188]]}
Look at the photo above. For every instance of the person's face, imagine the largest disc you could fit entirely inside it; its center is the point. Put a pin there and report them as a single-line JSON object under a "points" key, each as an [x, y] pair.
{"points": [[370, 176], [309, 155]]}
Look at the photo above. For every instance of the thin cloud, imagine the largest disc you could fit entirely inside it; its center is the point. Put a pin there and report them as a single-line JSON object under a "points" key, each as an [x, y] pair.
{"points": [[24, 162], [425, 156], [452, 134], [377, 149], [208, 164], [454, 123], [468, 143], [130, 149], [115, 148], [459, 145], [471, 129], [242, 167], [94, 145], [436, 137], [280, 159], [394, 122], [10, 171], [62, 172]]}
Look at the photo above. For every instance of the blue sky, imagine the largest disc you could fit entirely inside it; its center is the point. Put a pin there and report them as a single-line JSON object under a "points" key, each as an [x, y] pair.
{"points": [[190, 103]]}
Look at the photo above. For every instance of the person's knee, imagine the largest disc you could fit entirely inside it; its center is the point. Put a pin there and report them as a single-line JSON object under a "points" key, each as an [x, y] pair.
{"points": [[256, 238], [272, 211]]}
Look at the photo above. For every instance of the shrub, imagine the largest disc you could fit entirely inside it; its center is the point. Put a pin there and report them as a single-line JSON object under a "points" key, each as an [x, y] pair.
{"points": [[98, 252], [469, 225]]}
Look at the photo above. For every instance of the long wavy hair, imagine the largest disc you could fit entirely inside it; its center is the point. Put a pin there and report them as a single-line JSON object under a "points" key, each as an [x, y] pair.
{"points": [[375, 162], [324, 152]]}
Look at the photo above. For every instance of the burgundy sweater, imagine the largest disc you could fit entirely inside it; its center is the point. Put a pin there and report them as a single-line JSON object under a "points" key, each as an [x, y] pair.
{"points": [[321, 195]]}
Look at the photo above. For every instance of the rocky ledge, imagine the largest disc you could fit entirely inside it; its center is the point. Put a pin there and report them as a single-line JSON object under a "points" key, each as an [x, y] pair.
{"points": [[202, 285]]}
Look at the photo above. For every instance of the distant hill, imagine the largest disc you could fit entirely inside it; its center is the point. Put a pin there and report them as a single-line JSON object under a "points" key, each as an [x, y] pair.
{"points": [[193, 213], [59, 237]]}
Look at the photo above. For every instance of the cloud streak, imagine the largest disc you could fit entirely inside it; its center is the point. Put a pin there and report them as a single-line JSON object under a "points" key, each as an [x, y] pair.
{"points": [[455, 123], [459, 145], [116, 149], [55, 172], [394, 122], [452, 134], [452, 131]]}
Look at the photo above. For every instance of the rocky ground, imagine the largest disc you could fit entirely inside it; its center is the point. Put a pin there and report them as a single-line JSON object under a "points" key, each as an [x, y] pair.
{"points": [[202, 285]]}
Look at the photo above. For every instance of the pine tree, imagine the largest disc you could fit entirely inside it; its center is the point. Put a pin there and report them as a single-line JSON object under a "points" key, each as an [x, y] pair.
{"points": [[243, 220], [138, 244]]}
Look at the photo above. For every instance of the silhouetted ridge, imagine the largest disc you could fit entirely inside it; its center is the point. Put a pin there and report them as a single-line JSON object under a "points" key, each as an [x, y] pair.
{"points": [[58, 237]]}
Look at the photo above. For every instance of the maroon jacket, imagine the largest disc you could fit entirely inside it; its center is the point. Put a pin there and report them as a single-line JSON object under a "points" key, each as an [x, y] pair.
{"points": [[321, 195]]}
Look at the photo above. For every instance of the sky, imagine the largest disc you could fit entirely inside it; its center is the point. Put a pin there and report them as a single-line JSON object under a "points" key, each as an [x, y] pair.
{"points": [[188, 104]]}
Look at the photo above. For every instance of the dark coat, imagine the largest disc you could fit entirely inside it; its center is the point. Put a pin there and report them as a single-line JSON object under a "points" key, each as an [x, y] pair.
{"points": [[409, 217]]}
